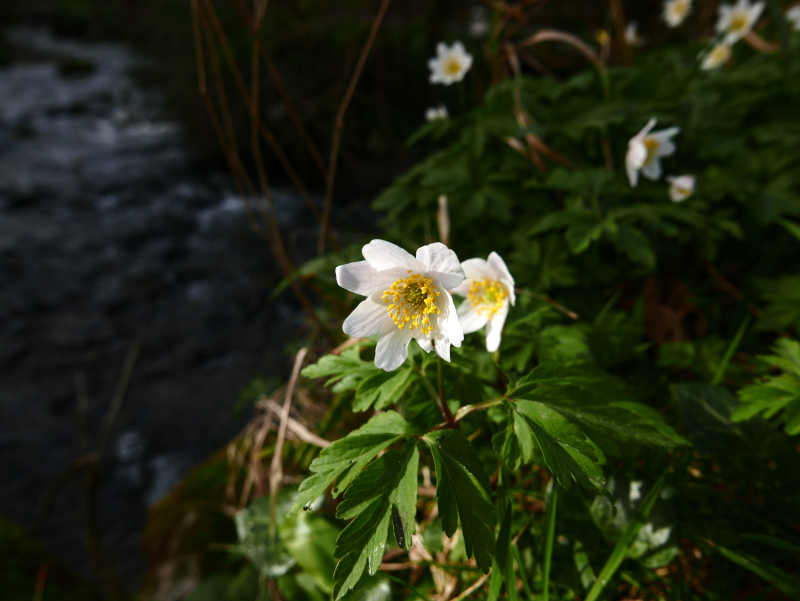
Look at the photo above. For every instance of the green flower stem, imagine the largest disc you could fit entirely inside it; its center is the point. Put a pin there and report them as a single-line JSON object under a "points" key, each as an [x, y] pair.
{"points": [[448, 415], [550, 538]]}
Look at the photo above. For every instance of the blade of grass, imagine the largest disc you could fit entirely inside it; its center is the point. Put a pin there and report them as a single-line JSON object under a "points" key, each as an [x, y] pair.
{"points": [[550, 529], [405, 584], [731, 349], [781, 580], [626, 540], [525, 586]]}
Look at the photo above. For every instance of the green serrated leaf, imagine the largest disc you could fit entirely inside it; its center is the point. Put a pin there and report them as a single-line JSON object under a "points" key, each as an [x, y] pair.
{"points": [[565, 449], [632, 242], [775, 394], [389, 484], [462, 489], [344, 372], [383, 389], [345, 458], [599, 404]]}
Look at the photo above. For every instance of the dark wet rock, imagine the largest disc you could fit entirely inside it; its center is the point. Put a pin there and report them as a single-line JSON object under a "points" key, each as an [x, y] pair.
{"points": [[109, 239]]}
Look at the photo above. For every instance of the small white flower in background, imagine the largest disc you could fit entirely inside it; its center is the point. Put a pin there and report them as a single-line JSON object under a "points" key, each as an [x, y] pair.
{"points": [[407, 298], [645, 151], [676, 11], [450, 64], [681, 187], [632, 36], [478, 22], [736, 21], [718, 56], [793, 16], [489, 289], [436, 112], [635, 492]]}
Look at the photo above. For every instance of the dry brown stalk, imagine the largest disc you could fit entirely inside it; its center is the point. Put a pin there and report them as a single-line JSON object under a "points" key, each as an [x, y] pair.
{"points": [[475, 586], [756, 42], [549, 301], [211, 15], [443, 218], [280, 87], [339, 124], [276, 469], [207, 19], [295, 427], [620, 23]]}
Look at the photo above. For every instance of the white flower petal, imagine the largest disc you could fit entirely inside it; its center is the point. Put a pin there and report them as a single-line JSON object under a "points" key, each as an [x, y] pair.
{"points": [[646, 129], [652, 170], [446, 329], [462, 289], [477, 269], [666, 148], [441, 264], [368, 318], [361, 278], [494, 329], [634, 159], [383, 255], [392, 349], [496, 262], [424, 343], [470, 320]]}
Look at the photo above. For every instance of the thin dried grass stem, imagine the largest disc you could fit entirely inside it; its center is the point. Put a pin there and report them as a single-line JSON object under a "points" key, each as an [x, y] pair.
{"points": [[339, 124], [276, 469]]}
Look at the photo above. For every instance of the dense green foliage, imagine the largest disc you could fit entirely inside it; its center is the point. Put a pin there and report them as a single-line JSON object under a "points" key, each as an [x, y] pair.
{"points": [[680, 484]]}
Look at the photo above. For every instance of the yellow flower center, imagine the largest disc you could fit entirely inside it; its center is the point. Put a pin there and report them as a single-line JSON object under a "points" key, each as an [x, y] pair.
{"points": [[486, 296], [412, 299], [738, 22], [680, 9], [652, 146], [452, 66]]}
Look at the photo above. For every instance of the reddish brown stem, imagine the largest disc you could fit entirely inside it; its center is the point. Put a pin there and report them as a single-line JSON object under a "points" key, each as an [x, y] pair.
{"points": [[339, 124]]}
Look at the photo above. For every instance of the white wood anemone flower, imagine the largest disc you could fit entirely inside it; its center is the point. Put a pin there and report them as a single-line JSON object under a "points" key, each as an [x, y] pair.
{"points": [[736, 21], [489, 289], [407, 297], [681, 187], [676, 11], [450, 64], [645, 151], [436, 112], [717, 57], [793, 16], [632, 36]]}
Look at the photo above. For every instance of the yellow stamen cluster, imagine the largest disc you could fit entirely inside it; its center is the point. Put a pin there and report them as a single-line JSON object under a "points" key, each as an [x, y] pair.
{"points": [[413, 299], [486, 296], [452, 66], [652, 146], [738, 22]]}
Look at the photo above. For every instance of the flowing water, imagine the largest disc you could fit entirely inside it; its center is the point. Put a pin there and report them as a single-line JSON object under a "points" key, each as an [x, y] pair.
{"points": [[109, 239]]}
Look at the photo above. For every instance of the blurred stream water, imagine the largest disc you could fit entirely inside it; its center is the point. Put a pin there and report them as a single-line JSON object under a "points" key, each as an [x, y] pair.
{"points": [[107, 238]]}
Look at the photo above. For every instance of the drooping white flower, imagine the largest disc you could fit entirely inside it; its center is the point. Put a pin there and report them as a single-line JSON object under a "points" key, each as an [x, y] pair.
{"points": [[407, 297], [450, 64], [436, 112], [676, 11], [716, 57], [736, 21], [489, 289], [793, 16], [681, 187], [632, 36], [645, 150]]}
